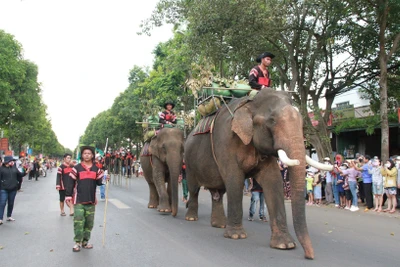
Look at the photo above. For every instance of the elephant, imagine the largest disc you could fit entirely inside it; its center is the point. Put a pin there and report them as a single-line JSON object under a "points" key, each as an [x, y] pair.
{"points": [[248, 137], [164, 166]]}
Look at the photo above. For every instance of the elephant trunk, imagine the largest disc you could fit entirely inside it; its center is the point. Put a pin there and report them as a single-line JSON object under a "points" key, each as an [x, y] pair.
{"points": [[289, 137], [175, 168]]}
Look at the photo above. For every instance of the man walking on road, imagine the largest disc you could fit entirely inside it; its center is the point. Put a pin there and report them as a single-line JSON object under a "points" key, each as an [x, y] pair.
{"points": [[10, 178], [86, 176], [63, 179]]}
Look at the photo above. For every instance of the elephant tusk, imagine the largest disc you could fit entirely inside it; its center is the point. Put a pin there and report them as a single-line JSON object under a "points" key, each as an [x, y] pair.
{"points": [[285, 159], [318, 165]]}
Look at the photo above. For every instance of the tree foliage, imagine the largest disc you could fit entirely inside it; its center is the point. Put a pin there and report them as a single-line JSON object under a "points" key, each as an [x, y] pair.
{"points": [[147, 92], [323, 48], [23, 116]]}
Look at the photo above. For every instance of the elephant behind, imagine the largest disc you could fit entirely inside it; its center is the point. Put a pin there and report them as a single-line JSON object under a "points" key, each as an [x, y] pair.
{"points": [[247, 144], [163, 165]]}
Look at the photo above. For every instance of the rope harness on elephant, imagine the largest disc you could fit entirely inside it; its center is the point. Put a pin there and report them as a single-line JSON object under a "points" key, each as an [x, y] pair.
{"points": [[212, 141]]}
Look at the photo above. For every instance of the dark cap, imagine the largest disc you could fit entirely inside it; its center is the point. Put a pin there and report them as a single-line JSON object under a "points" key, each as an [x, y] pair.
{"points": [[7, 159], [263, 55]]}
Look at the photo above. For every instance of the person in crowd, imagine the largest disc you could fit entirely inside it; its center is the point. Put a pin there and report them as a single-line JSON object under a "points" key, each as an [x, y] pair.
{"points": [[340, 188], [377, 183], [86, 176], [285, 179], [328, 186], [129, 159], [10, 178], [62, 181], [352, 175], [367, 180], [246, 186], [36, 166], [389, 172], [102, 167], [335, 174], [398, 174], [168, 116], [20, 166], [347, 192], [359, 163], [259, 76], [184, 183], [256, 195], [309, 184], [317, 188]]}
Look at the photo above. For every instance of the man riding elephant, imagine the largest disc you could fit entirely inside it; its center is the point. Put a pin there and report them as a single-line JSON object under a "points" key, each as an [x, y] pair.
{"points": [[168, 116], [260, 77]]}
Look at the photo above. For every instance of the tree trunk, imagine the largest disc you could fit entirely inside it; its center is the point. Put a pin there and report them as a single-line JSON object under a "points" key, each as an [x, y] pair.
{"points": [[382, 22]]}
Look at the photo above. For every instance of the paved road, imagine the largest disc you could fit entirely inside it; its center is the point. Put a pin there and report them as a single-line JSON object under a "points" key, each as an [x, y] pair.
{"points": [[137, 236]]}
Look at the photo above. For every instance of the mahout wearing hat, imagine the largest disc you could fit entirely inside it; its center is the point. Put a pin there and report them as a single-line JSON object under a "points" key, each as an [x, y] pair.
{"points": [[169, 103], [263, 55]]}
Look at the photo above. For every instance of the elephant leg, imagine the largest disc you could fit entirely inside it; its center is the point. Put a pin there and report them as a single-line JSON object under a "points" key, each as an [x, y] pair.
{"points": [[218, 218], [153, 201], [193, 204], [234, 189], [274, 197], [159, 181]]}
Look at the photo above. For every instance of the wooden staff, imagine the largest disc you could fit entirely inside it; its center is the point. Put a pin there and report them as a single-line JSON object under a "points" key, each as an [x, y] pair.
{"points": [[105, 214], [105, 207]]}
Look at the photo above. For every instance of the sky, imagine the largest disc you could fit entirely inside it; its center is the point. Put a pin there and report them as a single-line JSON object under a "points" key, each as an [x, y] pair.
{"points": [[84, 50]]}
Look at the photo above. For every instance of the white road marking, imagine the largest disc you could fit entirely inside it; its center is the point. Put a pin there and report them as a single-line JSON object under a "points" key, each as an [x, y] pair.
{"points": [[119, 204]]}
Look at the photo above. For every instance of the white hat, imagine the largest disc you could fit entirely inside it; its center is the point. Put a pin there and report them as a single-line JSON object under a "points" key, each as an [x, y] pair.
{"points": [[327, 159]]}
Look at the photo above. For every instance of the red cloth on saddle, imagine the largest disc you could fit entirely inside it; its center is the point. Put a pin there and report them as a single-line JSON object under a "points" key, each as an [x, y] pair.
{"points": [[204, 126]]}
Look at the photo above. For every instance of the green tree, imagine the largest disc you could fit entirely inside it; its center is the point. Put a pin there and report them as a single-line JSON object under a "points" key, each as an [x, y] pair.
{"points": [[378, 21]]}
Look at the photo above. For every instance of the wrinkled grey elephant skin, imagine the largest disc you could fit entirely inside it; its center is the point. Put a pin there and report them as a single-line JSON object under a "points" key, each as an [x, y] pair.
{"points": [[164, 166], [245, 146]]}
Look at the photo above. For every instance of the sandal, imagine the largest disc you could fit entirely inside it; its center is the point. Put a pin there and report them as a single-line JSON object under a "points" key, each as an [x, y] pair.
{"points": [[71, 214], [77, 247], [1, 222], [63, 214], [87, 245]]}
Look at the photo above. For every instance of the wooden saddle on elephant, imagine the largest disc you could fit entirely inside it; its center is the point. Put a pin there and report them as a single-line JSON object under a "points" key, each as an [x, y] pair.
{"points": [[205, 125]]}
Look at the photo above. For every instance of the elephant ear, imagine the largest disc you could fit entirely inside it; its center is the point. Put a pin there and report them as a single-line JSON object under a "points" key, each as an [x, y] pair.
{"points": [[242, 124]]}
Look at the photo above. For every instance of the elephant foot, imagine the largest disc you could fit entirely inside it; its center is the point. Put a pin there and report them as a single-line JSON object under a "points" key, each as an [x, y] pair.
{"points": [[191, 216], [167, 210], [191, 219], [218, 222], [235, 232], [282, 241]]}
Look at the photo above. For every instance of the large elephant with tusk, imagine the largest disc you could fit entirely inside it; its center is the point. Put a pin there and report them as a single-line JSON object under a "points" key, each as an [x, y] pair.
{"points": [[248, 137]]}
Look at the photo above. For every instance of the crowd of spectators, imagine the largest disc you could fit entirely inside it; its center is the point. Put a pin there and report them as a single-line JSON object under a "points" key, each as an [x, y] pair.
{"points": [[364, 179]]}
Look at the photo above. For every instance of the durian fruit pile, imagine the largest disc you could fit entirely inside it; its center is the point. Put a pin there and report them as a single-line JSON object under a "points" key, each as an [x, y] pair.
{"points": [[209, 107], [148, 135]]}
